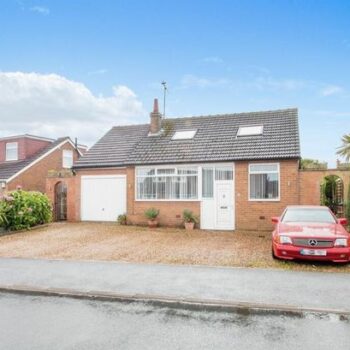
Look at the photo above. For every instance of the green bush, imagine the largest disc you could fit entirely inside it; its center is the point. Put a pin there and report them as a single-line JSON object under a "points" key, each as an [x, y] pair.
{"points": [[122, 219], [21, 210], [188, 216], [151, 213]]}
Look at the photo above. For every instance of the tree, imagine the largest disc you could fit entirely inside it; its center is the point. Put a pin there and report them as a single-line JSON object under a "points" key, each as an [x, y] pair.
{"points": [[344, 149], [312, 164]]}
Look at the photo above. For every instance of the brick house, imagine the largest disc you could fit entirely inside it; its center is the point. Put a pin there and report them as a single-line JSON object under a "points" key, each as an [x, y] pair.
{"points": [[26, 160], [234, 171]]}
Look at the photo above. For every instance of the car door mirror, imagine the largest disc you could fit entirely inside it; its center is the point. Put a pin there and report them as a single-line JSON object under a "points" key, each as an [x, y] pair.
{"points": [[275, 219], [342, 221]]}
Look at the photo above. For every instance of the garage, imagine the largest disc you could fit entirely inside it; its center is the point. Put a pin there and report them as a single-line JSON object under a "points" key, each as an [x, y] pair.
{"points": [[103, 197]]}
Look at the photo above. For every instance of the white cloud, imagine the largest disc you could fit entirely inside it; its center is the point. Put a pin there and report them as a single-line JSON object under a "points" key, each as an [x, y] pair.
{"points": [[41, 10], [53, 106], [330, 90]]}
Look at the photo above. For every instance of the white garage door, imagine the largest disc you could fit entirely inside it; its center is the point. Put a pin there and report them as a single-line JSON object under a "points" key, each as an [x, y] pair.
{"points": [[103, 198]]}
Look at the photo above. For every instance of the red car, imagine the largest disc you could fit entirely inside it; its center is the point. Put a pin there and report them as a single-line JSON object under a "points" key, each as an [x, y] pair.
{"points": [[310, 232]]}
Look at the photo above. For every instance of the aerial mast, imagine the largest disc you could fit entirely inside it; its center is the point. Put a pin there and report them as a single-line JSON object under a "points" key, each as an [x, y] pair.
{"points": [[164, 97]]}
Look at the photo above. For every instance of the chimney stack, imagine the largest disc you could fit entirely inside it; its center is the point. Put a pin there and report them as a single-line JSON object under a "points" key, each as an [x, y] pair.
{"points": [[156, 119]]}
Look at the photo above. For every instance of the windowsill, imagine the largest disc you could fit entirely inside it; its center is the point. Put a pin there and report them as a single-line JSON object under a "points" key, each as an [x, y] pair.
{"points": [[265, 200], [167, 200]]}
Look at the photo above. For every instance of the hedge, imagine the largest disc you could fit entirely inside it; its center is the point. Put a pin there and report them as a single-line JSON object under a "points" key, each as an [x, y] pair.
{"points": [[22, 209]]}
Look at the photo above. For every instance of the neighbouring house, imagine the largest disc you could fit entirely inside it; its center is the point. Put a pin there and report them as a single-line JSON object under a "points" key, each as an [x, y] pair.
{"points": [[26, 161], [234, 171]]}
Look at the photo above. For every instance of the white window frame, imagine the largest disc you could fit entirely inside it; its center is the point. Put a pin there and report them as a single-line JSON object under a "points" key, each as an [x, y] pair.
{"points": [[170, 166], [241, 133], [198, 166], [11, 146], [64, 152], [264, 172], [184, 135]]}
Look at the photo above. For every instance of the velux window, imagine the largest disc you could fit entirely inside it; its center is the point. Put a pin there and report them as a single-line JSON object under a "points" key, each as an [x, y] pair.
{"points": [[264, 181], [12, 151], [250, 130], [184, 135], [167, 183]]}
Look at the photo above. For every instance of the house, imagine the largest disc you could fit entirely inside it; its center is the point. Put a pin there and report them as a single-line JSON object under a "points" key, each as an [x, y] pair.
{"points": [[26, 160], [234, 171]]}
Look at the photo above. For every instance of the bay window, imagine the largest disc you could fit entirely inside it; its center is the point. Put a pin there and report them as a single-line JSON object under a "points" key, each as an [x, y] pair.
{"points": [[167, 183], [264, 182]]}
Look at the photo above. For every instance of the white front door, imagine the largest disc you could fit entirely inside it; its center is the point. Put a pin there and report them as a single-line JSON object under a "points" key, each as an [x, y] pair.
{"points": [[103, 197], [224, 210]]}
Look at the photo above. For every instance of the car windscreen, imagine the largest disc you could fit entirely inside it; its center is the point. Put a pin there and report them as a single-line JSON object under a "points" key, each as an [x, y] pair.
{"points": [[308, 215]]}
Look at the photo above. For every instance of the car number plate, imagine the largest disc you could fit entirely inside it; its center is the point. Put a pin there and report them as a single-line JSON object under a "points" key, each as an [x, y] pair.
{"points": [[313, 252]]}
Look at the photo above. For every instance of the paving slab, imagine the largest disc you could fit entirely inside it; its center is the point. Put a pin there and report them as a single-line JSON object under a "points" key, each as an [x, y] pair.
{"points": [[309, 290]]}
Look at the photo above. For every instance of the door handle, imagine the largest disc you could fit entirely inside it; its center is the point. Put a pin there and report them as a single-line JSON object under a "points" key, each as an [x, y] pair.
{"points": [[223, 207]]}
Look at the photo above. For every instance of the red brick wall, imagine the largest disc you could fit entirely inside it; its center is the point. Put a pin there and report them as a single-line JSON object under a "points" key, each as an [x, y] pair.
{"points": [[21, 148], [310, 181], [33, 146], [256, 215], [26, 147], [34, 178], [249, 215]]}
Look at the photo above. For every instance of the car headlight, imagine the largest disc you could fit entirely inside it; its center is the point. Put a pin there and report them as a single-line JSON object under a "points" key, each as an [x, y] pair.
{"points": [[285, 240], [341, 242]]}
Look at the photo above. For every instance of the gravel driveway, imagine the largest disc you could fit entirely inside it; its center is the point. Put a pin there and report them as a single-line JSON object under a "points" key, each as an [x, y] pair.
{"points": [[102, 241]]}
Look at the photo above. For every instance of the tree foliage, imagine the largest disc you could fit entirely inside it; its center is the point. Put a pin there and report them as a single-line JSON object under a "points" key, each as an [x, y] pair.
{"points": [[307, 163], [344, 149]]}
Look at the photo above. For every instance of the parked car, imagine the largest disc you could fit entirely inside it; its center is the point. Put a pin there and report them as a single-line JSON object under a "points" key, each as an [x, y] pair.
{"points": [[310, 232]]}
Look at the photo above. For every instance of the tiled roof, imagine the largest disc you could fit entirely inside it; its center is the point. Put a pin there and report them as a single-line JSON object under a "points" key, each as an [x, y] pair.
{"points": [[215, 140], [8, 169]]}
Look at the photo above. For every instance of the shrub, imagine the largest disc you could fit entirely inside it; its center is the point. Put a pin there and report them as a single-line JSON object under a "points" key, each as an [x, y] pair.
{"points": [[151, 213], [188, 216], [122, 219], [21, 210]]}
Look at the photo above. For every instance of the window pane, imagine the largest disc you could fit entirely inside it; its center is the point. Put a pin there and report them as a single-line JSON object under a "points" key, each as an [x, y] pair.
{"points": [[263, 167], [165, 171], [146, 188], [168, 186], [12, 151], [264, 186], [224, 173], [67, 158], [187, 171], [250, 130], [183, 135], [145, 171], [207, 183], [188, 187]]}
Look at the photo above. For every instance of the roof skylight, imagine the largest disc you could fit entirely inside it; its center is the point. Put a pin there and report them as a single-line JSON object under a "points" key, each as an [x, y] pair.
{"points": [[184, 135], [250, 130]]}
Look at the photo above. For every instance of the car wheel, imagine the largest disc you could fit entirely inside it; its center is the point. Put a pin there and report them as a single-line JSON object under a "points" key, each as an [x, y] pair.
{"points": [[273, 255]]}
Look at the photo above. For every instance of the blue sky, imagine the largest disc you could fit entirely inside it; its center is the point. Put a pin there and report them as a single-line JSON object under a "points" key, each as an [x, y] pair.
{"points": [[98, 63]]}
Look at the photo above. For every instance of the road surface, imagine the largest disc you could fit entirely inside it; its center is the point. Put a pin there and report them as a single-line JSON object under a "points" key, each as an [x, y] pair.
{"points": [[28, 322]]}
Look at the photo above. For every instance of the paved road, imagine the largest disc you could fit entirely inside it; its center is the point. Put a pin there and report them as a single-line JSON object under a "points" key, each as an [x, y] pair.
{"points": [[290, 288], [28, 322]]}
